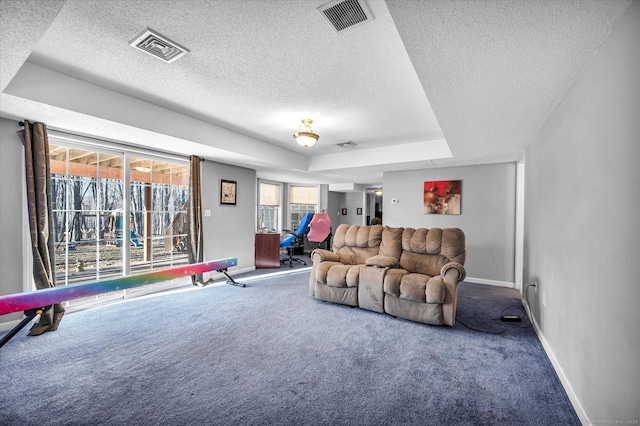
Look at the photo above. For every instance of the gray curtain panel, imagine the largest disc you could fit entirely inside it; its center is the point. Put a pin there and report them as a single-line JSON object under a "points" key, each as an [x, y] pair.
{"points": [[194, 210], [36, 147]]}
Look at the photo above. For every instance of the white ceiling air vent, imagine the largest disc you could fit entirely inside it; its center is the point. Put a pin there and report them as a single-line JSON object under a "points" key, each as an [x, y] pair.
{"points": [[347, 144], [158, 45], [344, 14]]}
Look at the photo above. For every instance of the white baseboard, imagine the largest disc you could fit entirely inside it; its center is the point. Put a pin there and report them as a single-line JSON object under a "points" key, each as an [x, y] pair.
{"points": [[218, 275], [575, 401], [242, 271], [490, 282]]}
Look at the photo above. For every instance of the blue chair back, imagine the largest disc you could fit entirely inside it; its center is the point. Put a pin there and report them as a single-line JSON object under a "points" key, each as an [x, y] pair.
{"points": [[301, 229]]}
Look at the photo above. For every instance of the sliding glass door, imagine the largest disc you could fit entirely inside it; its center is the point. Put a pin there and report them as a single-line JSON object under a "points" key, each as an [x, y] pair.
{"points": [[97, 234], [159, 197]]}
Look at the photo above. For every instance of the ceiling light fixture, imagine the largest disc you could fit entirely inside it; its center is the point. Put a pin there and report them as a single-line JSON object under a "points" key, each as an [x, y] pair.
{"points": [[305, 136]]}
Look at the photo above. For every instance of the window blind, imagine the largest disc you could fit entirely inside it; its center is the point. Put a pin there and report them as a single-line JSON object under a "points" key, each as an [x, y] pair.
{"points": [[303, 195], [269, 194]]}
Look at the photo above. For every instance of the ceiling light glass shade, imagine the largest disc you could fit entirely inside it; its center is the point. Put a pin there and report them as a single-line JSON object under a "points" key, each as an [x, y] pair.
{"points": [[305, 136]]}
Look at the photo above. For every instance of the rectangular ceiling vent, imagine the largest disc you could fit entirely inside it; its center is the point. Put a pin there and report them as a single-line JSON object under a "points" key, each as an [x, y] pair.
{"points": [[345, 14], [158, 46]]}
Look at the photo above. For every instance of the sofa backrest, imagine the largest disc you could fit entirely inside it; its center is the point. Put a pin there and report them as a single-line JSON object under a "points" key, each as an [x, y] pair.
{"points": [[354, 244], [421, 250], [391, 244], [426, 251]]}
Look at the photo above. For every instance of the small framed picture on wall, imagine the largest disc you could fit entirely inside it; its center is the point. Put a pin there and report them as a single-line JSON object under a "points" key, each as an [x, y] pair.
{"points": [[228, 192], [359, 211], [344, 212]]}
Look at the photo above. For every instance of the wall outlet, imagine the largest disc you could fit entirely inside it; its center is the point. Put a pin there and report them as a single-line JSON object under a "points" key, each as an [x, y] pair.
{"points": [[207, 213]]}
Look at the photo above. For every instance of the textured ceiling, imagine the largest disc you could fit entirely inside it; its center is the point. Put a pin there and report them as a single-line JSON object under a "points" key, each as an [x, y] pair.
{"points": [[425, 84]]}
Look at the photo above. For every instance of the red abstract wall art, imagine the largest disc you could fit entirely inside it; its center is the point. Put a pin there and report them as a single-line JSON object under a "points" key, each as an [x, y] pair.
{"points": [[442, 196]]}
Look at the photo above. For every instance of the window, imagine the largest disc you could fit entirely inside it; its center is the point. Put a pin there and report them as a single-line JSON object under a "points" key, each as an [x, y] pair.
{"points": [[86, 189], [88, 193], [269, 207], [302, 199], [159, 227]]}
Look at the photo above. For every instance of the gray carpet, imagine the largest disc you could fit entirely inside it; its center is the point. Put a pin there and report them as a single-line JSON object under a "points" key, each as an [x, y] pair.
{"points": [[270, 354]]}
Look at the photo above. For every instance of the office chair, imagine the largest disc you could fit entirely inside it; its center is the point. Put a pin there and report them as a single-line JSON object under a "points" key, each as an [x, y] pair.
{"points": [[320, 229], [294, 240]]}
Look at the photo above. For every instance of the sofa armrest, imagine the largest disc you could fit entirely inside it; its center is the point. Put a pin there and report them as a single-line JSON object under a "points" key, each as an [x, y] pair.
{"points": [[321, 255], [382, 261], [454, 266], [452, 273]]}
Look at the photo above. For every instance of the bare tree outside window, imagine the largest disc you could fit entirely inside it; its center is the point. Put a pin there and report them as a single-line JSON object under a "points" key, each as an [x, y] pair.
{"points": [[87, 197]]}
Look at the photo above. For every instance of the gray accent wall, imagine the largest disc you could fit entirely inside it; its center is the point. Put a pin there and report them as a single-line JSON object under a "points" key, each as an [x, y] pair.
{"points": [[487, 214], [230, 230], [11, 213], [582, 232]]}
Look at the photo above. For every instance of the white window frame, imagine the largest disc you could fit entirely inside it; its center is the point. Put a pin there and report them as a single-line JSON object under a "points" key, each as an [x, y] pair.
{"points": [[289, 203], [281, 186]]}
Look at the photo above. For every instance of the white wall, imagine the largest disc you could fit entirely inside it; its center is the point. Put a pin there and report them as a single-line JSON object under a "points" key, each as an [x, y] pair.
{"points": [[11, 213], [582, 232], [487, 219]]}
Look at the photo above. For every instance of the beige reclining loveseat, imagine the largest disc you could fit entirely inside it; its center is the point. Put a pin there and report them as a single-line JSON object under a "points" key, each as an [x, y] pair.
{"points": [[405, 272]]}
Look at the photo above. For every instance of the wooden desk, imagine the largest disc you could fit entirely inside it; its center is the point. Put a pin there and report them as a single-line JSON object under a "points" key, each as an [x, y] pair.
{"points": [[267, 250]]}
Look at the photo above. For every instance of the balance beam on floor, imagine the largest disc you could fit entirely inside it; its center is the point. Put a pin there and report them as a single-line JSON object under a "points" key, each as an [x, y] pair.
{"points": [[36, 302]]}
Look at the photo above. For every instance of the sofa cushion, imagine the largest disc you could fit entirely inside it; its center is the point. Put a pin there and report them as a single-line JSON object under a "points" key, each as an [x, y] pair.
{"points": [[428, 264], [322, 269], [356, 255], [414, 287], [392, 281], [343, 275], [391, 243]]}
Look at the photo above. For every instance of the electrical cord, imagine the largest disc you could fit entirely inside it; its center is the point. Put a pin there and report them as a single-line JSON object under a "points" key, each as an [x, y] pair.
{"points": [[526, 292], [482, 331], [499, 321]]}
